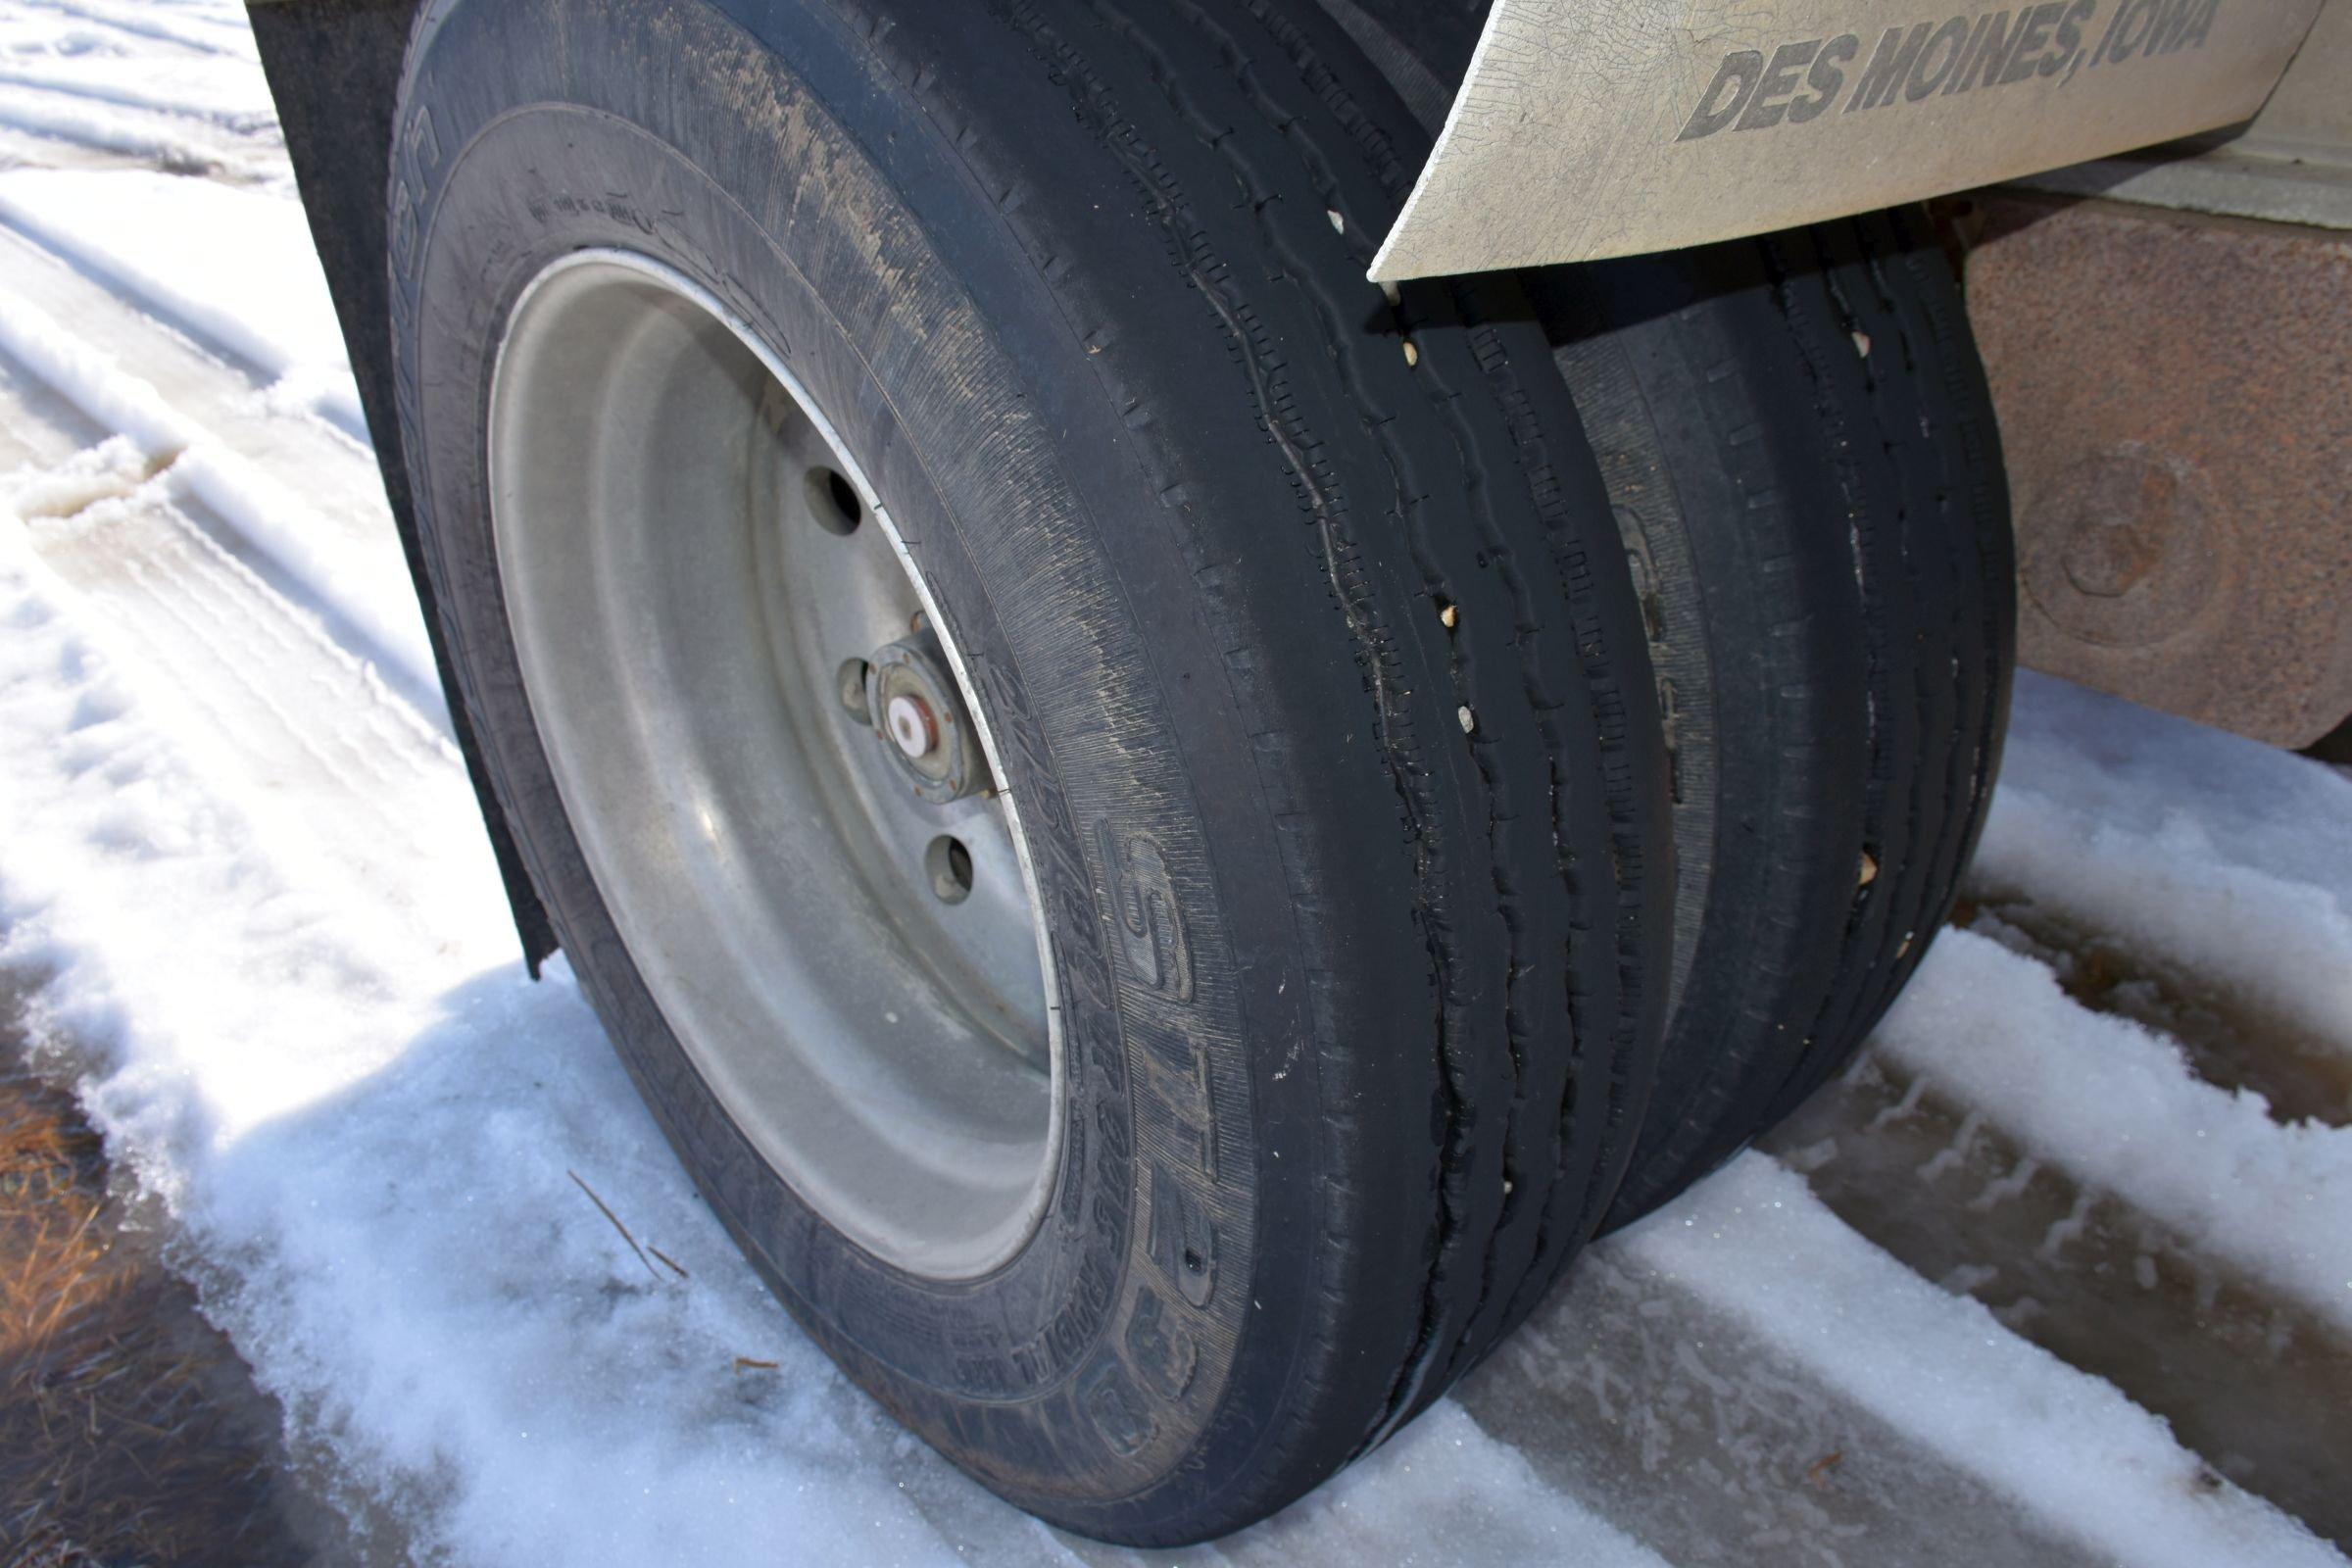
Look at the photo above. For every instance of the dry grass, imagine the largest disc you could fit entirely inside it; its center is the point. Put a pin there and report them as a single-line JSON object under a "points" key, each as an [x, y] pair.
{"points": [[128, 1430]]}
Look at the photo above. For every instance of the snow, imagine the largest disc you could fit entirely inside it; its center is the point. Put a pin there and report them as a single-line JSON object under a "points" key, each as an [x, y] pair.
{"points": [[2118, 1106], [241, 869], [224, 92], [2103, 815], [1756, 1244], [372, 1160], [373, 1153], [194, 24], [370, 590], [69, 78], [108, 130], [278, 318]]}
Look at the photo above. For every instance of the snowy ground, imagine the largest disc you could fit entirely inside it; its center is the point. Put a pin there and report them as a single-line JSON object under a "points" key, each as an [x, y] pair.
{"points": [[2060, 1273]]}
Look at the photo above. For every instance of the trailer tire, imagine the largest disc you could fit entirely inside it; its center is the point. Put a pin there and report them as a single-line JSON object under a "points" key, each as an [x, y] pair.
{"points": [[1799, 442], [1800, 447], [1315, 698]]}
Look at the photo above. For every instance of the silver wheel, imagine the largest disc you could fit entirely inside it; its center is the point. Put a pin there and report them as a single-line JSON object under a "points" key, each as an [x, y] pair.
{"points": [[771, 755]]}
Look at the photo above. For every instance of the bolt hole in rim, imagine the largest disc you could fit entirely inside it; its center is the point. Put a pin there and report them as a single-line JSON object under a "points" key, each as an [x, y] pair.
{"points": [[833, 502], [950, 866], [852, 688], [695, 603]]}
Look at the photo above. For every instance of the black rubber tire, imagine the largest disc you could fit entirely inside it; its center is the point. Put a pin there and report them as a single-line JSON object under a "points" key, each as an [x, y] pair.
{"points": [[1800, 447], [1301, 616], [1802, 452]]}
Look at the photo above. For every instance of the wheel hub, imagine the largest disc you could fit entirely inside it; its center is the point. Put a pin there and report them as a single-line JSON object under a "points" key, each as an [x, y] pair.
{"points": [[919, 716]]}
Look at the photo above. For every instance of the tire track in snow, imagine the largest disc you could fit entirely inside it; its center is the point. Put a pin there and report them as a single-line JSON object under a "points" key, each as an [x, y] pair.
{"points": [[2204, 854], [1744, 1377], [270, 421], [2118, 1107], [155, 100], [170, 144], [2253, 1381], [37, 428], [282, 334], [2232, 1040], [197, 34], [359, 791], [359, 581]]}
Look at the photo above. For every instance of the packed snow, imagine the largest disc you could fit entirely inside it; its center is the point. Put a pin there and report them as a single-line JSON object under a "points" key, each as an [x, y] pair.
{"points": [[2118, 1106], [280, 321], [2068, 1449], [2107, 816], [239, 863]]}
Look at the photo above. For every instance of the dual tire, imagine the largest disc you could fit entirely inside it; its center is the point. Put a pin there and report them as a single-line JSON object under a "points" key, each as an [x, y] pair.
{"points": [[1800, 451], [1316, 709]]}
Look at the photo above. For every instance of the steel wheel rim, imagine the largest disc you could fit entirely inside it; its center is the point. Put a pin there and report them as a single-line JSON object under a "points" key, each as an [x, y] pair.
{"points": [[844, 937]]}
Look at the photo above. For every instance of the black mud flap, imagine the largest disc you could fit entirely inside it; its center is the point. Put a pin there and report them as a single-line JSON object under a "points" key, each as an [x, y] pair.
{"points": [[334, 69]]}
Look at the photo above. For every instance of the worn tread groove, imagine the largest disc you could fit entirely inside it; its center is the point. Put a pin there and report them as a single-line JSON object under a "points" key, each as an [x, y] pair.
{"points": [[1456, 1076], [1518, 1244], [1411, 511], [1321, 500], [1931, 539], [1883, 675], [1879, 533], [1536, 1256]]}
